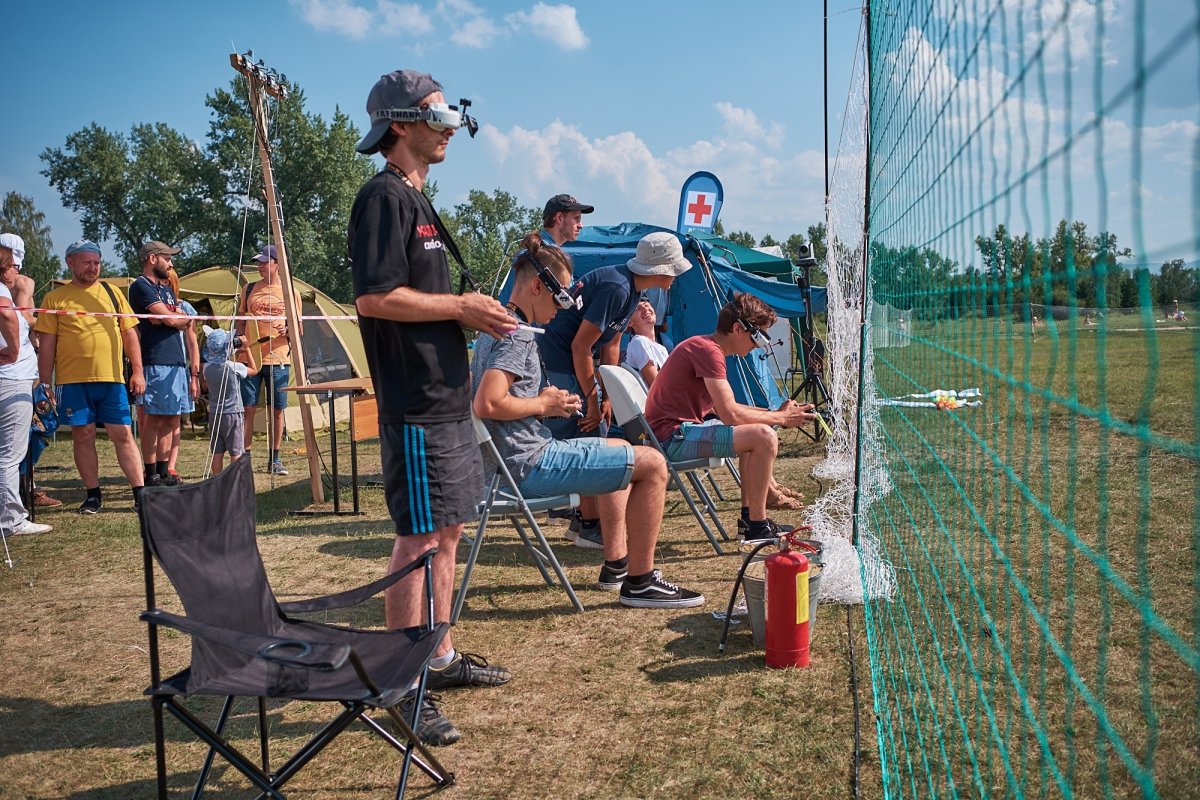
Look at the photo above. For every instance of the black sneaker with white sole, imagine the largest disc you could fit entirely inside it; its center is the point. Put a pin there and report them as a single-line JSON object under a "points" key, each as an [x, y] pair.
{"points": [[657, 593], [611, 579], [770, 529]]}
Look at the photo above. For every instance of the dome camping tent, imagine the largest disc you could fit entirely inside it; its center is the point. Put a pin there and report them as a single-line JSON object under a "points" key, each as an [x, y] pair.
{"points": [[333, 348]]}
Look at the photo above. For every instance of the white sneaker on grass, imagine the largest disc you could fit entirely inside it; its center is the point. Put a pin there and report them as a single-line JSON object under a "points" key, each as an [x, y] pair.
{"points": [[28, 528]]}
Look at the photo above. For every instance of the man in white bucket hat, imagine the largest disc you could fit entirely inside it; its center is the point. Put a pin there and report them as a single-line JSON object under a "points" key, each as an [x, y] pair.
{"points": [[580, 339]]}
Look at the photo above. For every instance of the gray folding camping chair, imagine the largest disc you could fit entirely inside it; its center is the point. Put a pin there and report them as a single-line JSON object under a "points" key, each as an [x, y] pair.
{"points": [[246, 644], [628, 397], [503, 500]]}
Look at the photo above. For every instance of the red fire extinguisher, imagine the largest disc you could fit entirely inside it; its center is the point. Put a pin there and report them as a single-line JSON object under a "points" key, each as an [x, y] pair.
{"points": [[786, 603]]}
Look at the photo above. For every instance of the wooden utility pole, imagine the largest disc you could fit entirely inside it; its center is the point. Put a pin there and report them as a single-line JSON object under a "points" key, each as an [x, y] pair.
{"points": [[264, 81]]}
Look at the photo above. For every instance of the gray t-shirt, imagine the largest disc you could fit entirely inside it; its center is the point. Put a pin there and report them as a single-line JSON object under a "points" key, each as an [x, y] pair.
{"points": [[224, 387], [521, 442]]}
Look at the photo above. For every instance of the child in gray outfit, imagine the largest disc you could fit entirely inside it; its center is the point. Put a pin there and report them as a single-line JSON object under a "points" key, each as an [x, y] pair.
{"points": [[225, 412]]}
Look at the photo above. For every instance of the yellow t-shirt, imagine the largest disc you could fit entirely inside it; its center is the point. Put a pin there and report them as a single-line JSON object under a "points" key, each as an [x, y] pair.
{"points": [[89, 348], [267, 301]]}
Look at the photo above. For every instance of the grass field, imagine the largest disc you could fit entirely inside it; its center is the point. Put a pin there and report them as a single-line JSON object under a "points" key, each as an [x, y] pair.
{"points": [[1043, 637], [613, 703], [1045, 553]]}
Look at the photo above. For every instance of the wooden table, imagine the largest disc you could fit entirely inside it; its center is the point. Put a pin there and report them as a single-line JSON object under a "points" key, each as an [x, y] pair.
{"points": [[331, 391]]}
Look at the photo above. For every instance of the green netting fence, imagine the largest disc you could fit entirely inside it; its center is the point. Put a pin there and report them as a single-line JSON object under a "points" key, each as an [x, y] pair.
{"points": [[1033, 583]]}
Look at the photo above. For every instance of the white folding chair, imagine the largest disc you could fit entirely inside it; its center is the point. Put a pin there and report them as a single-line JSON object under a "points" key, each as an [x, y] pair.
{"points": [[628, 396], [505, 501], [733, 470]]}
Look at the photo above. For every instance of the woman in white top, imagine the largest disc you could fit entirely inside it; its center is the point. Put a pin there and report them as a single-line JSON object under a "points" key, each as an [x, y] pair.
{"points": [[18, 370], [644, 354]]}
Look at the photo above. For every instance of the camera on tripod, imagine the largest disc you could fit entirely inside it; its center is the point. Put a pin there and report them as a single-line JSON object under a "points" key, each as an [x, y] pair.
{"points": [[804, 255]]}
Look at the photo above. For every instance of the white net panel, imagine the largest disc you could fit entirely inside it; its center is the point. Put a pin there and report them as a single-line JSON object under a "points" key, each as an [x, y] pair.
{"points": [[848, 569]]}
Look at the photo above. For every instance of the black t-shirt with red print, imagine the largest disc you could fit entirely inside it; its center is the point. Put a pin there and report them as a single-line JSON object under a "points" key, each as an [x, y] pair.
{"points": [[419, 369]]}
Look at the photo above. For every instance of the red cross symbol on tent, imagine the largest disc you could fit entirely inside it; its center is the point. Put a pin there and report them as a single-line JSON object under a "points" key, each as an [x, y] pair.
{"points": [[700, 208]]}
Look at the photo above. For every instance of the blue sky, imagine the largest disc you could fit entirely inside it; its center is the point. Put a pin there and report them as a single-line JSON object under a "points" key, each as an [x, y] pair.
{"points": [[616, 101]]}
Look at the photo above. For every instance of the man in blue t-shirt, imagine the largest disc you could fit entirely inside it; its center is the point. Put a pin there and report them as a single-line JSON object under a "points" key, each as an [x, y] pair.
{"points": [[579, 339], [170, 388]]}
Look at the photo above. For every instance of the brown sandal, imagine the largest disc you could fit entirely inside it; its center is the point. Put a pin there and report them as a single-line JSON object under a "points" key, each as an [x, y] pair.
{"points": [[778, 501], [788, 492]]}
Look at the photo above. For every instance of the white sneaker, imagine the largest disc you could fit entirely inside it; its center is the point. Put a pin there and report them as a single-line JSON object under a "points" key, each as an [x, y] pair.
{"points": [[28, 528]]}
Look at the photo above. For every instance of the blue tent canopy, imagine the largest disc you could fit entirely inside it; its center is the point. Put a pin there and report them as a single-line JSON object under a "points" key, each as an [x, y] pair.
{"points": [[695, 299]]}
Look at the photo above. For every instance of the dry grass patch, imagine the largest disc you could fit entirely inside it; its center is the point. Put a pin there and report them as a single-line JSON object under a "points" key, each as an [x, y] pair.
{"points": [[612, 703]]}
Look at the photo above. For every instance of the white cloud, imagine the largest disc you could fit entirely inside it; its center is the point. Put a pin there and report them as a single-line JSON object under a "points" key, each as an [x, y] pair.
{"points": [[1147, 196], [744, 122], [1067, 31], [557, 24], [407, 18], [338, 16], [627, 181], [470, 25]]}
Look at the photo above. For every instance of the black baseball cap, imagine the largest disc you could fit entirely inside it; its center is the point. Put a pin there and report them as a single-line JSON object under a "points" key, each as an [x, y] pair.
{"points": [[565, 202]]}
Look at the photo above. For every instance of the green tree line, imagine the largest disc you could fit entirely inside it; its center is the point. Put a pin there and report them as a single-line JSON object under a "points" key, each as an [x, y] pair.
{"points": [[156, 183]]}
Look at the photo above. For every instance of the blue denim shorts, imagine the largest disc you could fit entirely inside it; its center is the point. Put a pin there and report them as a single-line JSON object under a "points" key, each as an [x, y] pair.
{"points": [[166, 390], [708, 439], [89, 403], [581, 466], [276, 396]]}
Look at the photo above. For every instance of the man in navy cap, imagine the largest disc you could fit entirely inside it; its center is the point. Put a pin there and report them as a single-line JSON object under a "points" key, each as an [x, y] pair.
{"points": [[84, 354], [412, 328]]}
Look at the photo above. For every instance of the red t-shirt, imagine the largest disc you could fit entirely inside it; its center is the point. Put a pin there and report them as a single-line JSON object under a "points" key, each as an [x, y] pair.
{"points": [[678, 393]]}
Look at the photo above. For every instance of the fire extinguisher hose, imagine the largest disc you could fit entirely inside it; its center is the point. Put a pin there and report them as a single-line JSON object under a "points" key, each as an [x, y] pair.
{"points": [[737, 585]]}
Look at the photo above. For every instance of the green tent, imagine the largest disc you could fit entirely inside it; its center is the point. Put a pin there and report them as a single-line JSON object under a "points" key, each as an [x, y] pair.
{"points": [[333, 348], [748, 259]]}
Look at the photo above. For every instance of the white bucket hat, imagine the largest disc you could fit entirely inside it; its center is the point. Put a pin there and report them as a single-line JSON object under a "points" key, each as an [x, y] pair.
{"points": [[659, 253]]}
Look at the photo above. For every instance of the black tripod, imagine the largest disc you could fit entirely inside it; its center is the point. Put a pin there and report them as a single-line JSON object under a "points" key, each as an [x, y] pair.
{"points": [[812, 388]]}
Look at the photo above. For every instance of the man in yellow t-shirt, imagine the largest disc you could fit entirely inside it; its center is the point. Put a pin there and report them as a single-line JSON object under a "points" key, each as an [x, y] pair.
{"points": [[265, 299], [84, 355]]}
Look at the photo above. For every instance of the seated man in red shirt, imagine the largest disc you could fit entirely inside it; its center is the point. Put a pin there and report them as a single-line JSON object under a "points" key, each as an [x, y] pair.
{"points": [[692, 386]]}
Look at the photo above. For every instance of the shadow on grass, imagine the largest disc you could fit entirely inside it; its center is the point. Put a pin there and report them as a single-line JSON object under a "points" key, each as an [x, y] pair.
{"points": [[694, 654]]}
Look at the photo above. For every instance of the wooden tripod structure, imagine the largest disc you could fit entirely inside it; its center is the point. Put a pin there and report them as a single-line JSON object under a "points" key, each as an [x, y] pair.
{"points": [[263, 82]]}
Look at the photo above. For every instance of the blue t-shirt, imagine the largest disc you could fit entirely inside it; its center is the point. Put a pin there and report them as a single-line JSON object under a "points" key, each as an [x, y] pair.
{"points": [[609, 300], [161, 344]]}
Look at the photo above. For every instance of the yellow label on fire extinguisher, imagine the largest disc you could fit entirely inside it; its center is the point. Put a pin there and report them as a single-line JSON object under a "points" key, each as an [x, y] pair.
{"points": [[802, 597]]}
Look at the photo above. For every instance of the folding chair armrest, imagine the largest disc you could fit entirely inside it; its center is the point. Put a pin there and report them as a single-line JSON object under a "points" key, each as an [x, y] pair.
{"points": [[352, 597], [286, 652]]}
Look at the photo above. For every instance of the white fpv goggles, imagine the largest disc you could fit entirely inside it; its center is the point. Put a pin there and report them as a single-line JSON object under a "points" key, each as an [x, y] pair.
{"points": [[439, 116]]}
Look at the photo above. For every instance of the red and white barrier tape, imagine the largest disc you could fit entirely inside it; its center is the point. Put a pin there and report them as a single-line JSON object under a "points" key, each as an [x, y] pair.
{"points": [[198, 318]]}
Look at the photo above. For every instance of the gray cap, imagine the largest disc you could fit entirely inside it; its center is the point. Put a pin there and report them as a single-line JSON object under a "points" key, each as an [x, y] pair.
{"points": [[404, 88]]}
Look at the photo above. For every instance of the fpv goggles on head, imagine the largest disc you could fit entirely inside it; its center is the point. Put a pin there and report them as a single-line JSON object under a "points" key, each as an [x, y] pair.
{"points": [[757, 335], [439, 116], [563, 298]]}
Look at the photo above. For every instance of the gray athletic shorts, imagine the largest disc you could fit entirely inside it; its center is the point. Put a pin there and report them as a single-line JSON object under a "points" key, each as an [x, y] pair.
{"points": [[228, 434]]}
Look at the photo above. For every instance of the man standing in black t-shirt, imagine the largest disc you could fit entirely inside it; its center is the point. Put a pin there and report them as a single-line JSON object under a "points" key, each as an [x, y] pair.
{"points": [[411, 326], [171, 387]]}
